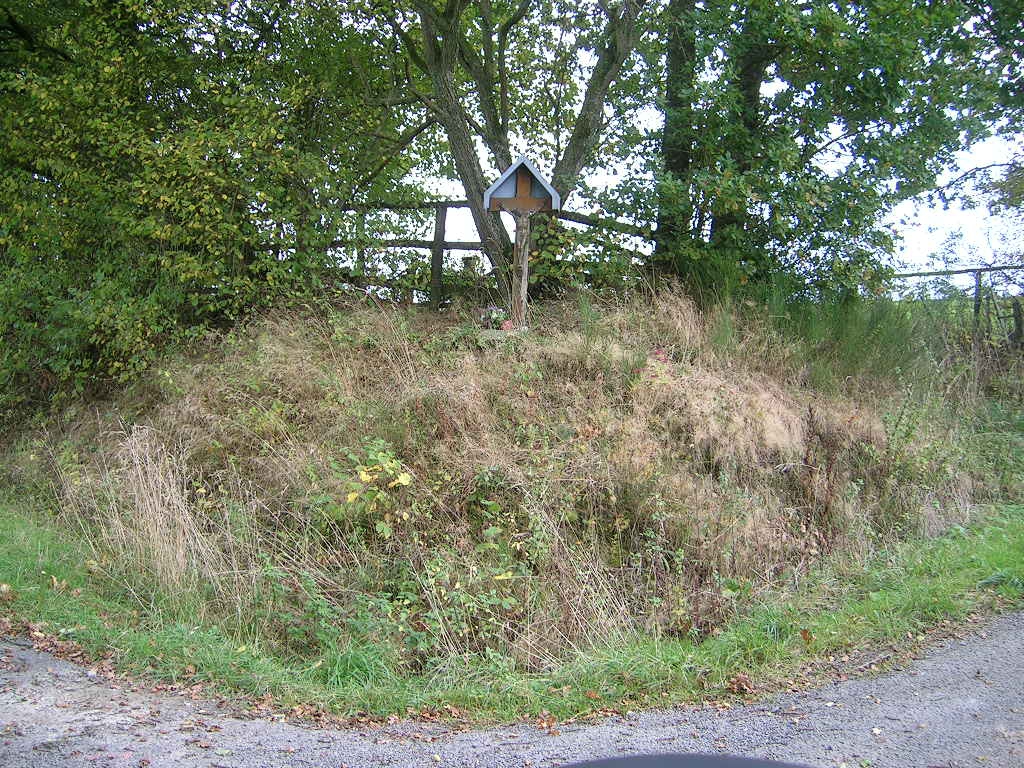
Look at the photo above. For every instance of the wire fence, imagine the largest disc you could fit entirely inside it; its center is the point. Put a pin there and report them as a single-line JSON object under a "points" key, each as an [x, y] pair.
{"points": [[994, 315]]}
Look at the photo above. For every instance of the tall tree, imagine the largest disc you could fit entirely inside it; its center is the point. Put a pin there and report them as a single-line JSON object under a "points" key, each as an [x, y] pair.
{"points": [[792, 127], [478, 59]]}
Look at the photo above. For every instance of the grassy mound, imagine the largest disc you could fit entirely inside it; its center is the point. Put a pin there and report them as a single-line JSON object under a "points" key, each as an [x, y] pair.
{"points": [[383, 494]]}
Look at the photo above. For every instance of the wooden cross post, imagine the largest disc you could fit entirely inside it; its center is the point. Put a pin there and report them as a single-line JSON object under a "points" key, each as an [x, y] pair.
{"points": [[520, 268], [521, 191], [522, 206]]}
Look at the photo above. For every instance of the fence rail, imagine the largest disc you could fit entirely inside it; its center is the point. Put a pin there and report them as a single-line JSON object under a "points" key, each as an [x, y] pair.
{"points": [[964, 271], [438, 245], [976, 271]]}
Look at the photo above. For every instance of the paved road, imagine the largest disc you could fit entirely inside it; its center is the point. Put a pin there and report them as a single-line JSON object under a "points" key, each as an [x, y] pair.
{"points": [[961, 705]]}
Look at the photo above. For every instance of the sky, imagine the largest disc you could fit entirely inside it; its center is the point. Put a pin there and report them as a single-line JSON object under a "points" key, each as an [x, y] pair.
{"points": [[979, 235]]}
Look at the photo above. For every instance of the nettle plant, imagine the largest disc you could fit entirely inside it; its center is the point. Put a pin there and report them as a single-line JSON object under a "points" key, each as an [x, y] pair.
{"points": [[374, 488]]}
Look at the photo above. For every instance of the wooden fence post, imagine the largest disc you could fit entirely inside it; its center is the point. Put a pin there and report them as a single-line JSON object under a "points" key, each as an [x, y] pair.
{"points": [[977, 300], [437, 257], [361, 246], [1017, 334], [976, 334]]}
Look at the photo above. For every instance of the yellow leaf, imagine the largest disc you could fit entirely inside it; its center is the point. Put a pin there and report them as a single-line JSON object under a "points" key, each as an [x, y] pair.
{"points": [[352, 496], [365, 476], [503, 576]]}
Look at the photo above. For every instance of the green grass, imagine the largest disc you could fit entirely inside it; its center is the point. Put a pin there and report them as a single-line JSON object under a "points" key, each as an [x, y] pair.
{"points": [[904, 591]]}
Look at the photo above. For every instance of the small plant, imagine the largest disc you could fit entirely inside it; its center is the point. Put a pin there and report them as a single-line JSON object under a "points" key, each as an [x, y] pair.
{"points": [[493, 317], [372, 491]]}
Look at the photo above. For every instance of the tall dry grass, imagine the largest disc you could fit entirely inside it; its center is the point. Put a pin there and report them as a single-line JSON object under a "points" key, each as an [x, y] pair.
{"points": [[145, 515], [634, 467]]}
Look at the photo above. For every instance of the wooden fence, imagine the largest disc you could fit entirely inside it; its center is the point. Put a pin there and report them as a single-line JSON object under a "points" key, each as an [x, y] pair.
{"points": [[1017, 311], [438, 245], [976, 271]]}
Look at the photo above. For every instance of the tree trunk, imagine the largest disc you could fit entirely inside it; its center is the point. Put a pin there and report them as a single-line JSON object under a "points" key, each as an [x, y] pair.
{"points": [[467, 164], [440, 61], [446, 43], [729, 226], [675, 207]]}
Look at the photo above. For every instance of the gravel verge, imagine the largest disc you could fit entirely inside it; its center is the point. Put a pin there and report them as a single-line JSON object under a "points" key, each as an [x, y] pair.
{"points": [[960, 704]]}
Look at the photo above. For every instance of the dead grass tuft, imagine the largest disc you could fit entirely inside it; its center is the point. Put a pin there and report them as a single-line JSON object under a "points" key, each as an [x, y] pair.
{"points": [[739, 421], [149, 512]]}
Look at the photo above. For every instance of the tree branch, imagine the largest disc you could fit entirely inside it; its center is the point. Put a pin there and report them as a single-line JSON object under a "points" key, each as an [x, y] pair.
{"points": [[493, 134], [622, 34], [28, 167], [29, 39], [403, 142], [410, 45], [503, 32], [973, 172]]}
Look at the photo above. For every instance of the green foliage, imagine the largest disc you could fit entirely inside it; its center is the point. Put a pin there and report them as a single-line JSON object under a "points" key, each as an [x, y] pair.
{"points": [[877, 337], [792, 129], [371, 491], [562, 258], [152, 182]]}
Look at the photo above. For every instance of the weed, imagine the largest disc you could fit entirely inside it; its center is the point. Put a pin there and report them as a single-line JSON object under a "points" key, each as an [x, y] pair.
{"points": [[839, 606]]}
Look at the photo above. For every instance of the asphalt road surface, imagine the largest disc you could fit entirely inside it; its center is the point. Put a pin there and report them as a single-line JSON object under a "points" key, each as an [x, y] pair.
{"points": [[961, 704]]}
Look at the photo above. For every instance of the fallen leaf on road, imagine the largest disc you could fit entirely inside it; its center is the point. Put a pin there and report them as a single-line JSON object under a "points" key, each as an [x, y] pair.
{"points": [[740, 684], [547, 722]]}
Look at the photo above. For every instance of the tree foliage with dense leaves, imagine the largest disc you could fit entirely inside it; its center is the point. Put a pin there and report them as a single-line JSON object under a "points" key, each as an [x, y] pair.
{"points": [[166, 165], [793, 127], [1003, 25]]}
